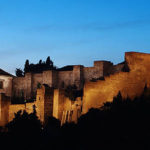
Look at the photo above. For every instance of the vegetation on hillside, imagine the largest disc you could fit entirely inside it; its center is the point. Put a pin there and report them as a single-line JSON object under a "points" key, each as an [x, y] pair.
{"points": [[120, 124]]}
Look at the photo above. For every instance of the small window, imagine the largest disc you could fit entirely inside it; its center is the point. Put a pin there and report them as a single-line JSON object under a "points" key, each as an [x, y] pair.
{"points": [[1, 84]]}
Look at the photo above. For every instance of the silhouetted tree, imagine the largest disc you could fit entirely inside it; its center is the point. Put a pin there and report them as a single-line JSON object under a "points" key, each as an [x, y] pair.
{"points": [[48, 61], [19, 72], [122, 123], [39, 67], [118, 99], [27, 66], [40, 62], [52, 127], [39, 85], [25, 129]]}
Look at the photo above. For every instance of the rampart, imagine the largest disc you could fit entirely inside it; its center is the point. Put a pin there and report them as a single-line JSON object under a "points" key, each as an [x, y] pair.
{"points": [[130, 83], [4, 107], [65, 109], [43, 105], [26, 86], [49, 102], [128, 77]]}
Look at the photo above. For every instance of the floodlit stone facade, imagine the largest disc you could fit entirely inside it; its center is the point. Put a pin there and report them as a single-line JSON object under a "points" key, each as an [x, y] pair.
{"points": [[59, 78], [100, 84]]}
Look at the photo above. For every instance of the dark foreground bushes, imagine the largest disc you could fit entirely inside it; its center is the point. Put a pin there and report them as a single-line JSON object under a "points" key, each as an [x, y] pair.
{"points": [[121, 124]]}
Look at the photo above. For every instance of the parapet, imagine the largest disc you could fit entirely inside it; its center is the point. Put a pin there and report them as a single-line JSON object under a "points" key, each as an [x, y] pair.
{"points": [[137, 60], [97, 63]]}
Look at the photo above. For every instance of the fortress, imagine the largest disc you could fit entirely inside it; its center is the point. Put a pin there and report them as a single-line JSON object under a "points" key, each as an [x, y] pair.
{"points": [[99, 84]]}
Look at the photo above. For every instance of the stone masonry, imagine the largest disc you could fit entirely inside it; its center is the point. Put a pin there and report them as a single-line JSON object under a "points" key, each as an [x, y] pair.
{"points": [[100, 84]]}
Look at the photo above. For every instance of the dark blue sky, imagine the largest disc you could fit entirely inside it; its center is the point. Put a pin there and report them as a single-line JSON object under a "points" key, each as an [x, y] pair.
{"points": [[72, 31]]}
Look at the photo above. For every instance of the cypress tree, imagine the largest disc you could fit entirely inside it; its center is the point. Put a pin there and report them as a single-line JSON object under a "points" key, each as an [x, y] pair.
{"points": [[27, 66], [48, 61]]}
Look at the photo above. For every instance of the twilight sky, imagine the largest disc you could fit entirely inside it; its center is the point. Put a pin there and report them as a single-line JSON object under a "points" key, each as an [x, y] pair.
{"points": [[72, 31]]}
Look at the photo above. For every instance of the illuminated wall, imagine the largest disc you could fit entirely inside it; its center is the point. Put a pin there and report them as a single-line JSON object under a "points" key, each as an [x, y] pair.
{"points": [[129, 83], [43, 105], [58, 79], [4, 107], [64, 109], [53, 102]]}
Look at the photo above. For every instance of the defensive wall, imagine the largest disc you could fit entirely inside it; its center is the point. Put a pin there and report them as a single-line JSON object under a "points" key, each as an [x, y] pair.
{"points": [[65, 109], [49, 102], [4, 107], [51, 99], [43, 105], [27, 85], [130, 83]]}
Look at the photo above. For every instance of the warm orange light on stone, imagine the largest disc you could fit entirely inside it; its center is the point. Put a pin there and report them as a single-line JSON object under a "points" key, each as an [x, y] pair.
{"points": [[128, 83], [52, 102]]}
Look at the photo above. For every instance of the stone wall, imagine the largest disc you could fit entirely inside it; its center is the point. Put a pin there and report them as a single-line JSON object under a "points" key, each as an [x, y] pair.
{"points": [[107, 68], [100, 69], [43, 105], [18, 85], [37, 78], [129, 83], [59, 79], [55, 79], [48, 102], [65, 78], [7, 85], [14, 109], [28, 107], [4, 107], [47, 78], [52, 102], [64, 109], [58, 103], [78, 76], [23, 85], [28, 84]]}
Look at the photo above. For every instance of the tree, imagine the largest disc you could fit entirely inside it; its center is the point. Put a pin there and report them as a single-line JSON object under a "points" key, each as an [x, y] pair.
{"points": [[40, 62], [25, 128], [39, 85], [49, 63], [39, 67], [27, 66], [118, 99], [19, 72]]}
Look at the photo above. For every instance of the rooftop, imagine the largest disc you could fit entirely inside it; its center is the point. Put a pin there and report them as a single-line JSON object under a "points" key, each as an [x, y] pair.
{"points": [[2, 72]]}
